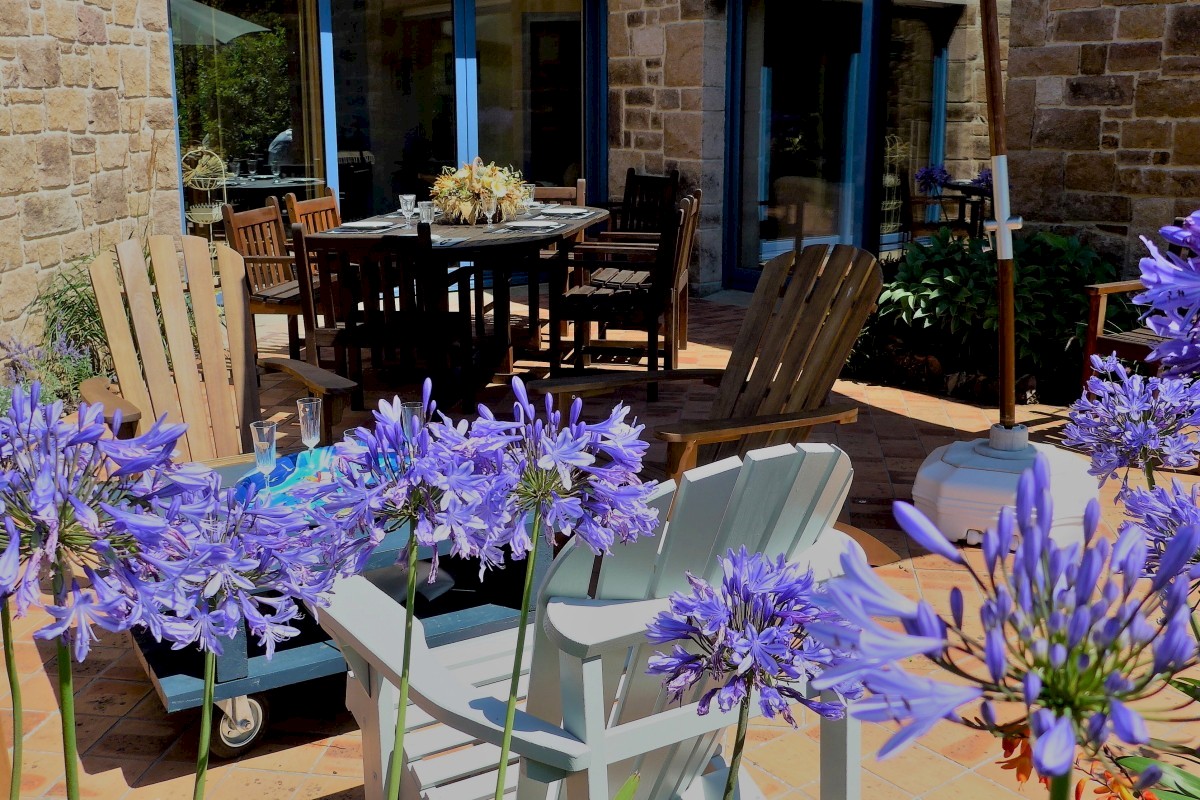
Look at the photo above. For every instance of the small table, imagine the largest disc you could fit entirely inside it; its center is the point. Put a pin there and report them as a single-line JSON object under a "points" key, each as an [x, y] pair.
{"points": [[500, 252], [974, 197], [252, 191]]}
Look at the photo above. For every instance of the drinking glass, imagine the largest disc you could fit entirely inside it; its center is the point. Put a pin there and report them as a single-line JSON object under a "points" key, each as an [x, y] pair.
{"points": [[309, 411], [527, 194], [489, 208], [262, 434], [408, 207], [276, 171], [232, 167], [426, 212], [409, 412], [252, 167]]}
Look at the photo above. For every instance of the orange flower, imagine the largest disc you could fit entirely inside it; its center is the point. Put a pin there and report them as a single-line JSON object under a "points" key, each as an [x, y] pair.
{"points": [[1022, 763]]}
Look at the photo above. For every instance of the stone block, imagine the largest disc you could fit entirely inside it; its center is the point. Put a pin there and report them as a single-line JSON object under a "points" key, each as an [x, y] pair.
{"points": [[125, 13], [76, 70], [1181, 65], [637, 119], [1050, 91], [14, 18], [17, 160], [48, 213], [639, 97], [696, 9], [1034, 62], [1019, 105], [1093, 25], [684, 62], [1092, 172], [626, 72], [160, 67], [616, 115], [646, 41], [1183, 29], [1067, 5], [1066, 129], [1141, 22], [667, 99], [109, 195], [1093, 58], [1127, 158], [1145, 133], [54, 161], [28, 119], [1096, 207], [160, 115], [1172, 97], [106, 66], [690, 99], [61, 20], [1100, 90], [1187, 142], [18, 290], [1134, 56], [683, 135], [153, 15], [112, 151], [38, 63], [134, 78], [651, 140], [66, 109], [103, 114]]}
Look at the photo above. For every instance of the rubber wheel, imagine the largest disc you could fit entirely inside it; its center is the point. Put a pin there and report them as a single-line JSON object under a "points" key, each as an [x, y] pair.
{"points": [[229, 741]]}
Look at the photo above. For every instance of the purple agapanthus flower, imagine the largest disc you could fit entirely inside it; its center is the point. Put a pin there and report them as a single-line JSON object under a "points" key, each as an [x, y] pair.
{"points": [[984, 179], [752, 635], [1173, 295], [1075, 634], [1164, 514], [62, 484], [932, 177], [1129, 421], [220, 559]]}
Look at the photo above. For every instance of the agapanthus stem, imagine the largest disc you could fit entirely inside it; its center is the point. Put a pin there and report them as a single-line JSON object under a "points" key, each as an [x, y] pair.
{"points": [[66, 702], [206, 707], [14, 686], [1060, 787], [511, 711], [739, 742], [1149, 470], [396, 767]]}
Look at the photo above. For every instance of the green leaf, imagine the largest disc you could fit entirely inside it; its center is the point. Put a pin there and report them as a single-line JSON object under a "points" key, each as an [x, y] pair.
{"points": [[1174, 779], [1189, 686], [629, 789]]}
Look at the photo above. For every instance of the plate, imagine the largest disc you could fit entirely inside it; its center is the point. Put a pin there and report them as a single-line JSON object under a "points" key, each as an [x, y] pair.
{"points": [[297, 478], [566, 211], [364, 225]]}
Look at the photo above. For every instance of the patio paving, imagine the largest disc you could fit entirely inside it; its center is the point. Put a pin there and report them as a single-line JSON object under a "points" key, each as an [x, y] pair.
{"points": [[132, 750]]}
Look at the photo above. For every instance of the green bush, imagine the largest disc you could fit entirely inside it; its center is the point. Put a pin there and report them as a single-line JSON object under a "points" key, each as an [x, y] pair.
{"points": [[72, 317], [59, 368], [942, 302]]}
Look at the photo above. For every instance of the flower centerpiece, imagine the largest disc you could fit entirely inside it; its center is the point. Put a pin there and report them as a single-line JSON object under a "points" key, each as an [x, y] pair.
{"points": [[463, 194]]}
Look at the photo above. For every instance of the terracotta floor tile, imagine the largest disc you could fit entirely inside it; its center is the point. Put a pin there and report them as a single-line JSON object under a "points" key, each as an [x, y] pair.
{"points": [[973, 787], [102, 779], [110, 697], [283, 753], [137, 739], [240, 784], [792, 758], [88, 730], [174, 781], [39, 772], [916, 769], [342, 758], [323, 787]]}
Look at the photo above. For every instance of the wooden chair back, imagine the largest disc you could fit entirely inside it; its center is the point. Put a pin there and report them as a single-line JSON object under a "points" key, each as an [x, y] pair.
{"points": [[258, 235], [646, 199], [174, 351], [316, 215], [687, 233], [802, 322], [563, 195]]}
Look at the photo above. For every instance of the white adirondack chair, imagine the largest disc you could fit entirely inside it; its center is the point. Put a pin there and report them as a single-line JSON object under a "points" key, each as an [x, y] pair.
{"points": [[594, 716]]}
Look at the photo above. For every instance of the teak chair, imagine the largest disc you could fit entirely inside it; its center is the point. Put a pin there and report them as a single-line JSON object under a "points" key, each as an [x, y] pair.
{"points": [[316, 215], [802, 321], [646, 198], [177, 355], [258, 235], [593, 716]]}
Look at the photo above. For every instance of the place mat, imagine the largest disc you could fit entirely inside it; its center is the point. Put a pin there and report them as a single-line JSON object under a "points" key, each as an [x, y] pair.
{"points": [[363, 227], [529, 223], [566, 211], [448, 241], [297, 478]]}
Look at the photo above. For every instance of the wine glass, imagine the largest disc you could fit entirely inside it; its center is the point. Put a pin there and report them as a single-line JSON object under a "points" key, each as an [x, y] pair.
{"points": [[488, 202], [408, 207], [262, 434], [276, 171], [412, 415], [252, 167], [527, 195], [309, 411]]}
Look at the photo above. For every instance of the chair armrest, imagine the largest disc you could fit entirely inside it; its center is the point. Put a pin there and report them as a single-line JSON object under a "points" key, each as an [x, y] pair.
{"points": [[631, 237], [363, 618], [100, 390], [726, 430], [1116, 287], [583, 385], [584, 628], [320, 381]]}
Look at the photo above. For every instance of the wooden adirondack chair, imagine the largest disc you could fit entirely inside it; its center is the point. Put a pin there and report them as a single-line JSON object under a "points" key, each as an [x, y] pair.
{"points": [[176, 354], [804, 317], [593, 716]]}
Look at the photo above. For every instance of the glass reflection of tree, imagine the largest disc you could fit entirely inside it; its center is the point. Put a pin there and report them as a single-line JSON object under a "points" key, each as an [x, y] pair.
{"points": [[235, 97]]}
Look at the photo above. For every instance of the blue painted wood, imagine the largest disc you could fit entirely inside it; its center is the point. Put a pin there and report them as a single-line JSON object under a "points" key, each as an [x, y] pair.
{"points": [[868, 154], [234, 661], [466, 80], [595, 96], [735, 81], [328, 104]]}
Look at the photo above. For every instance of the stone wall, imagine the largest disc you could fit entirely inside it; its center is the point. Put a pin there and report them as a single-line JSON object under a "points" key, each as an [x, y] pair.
{"points": [[666, 106], [87, 137], [1104, 118], [967, 146]]}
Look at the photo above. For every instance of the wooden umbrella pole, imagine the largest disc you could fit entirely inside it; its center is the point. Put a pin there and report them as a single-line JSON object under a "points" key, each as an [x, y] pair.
{"points": [[1005, 223]]}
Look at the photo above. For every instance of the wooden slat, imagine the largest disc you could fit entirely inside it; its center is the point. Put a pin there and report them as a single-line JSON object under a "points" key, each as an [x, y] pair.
{"points": [[140, 297], [165, 263], [222, 415], [242, 347], [120, 337]]}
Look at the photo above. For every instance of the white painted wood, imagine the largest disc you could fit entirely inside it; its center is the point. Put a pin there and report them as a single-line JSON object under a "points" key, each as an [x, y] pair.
{"points": [[594, 715]]}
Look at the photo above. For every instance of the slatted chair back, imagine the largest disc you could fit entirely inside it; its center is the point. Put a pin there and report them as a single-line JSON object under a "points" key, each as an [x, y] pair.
{"points": [[687, 232], [646, 199], [777, 501], [316, 215], [174, 351], [258, 234], [563, 195], [805, 315]]}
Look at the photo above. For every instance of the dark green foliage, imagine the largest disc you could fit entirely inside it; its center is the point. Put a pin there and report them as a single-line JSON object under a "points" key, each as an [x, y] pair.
{"points": [[68, 305]]}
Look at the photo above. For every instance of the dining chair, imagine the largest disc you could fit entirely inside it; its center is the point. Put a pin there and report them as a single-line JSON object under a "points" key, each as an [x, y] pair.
{"points": [[645, 199], [258, 235], [316, 215]]}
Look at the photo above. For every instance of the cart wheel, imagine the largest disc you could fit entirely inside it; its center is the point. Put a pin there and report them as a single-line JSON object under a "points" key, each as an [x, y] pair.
{"points": [[229, 740]]}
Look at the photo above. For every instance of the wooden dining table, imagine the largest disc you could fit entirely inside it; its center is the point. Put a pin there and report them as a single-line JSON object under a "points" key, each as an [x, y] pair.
{"points": [[507, 248]]}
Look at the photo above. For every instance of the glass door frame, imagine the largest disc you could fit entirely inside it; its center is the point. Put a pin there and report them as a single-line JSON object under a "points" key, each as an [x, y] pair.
{"points": [[593, 21], [859, 211]]}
